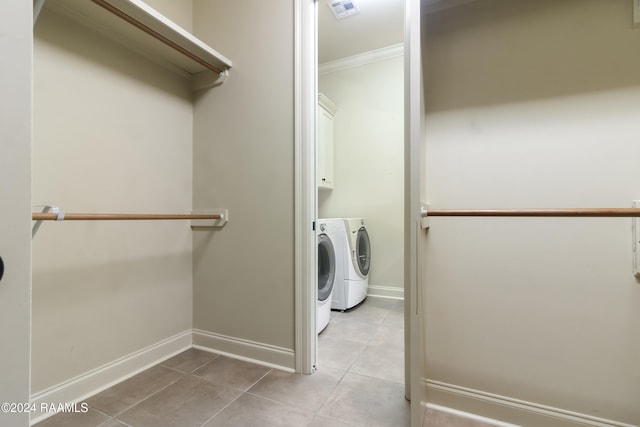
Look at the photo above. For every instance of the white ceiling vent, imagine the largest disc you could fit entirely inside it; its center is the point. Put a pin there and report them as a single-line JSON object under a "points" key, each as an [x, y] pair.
{"points": [[343, 8]]}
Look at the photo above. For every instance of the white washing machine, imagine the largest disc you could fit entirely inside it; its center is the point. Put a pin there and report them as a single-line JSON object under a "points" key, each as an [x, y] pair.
{"points": [[330, 271], [355, 253]]}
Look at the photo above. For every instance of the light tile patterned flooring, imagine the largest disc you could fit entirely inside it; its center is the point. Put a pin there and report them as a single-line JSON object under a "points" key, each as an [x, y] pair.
{"points": [[359, 382]]}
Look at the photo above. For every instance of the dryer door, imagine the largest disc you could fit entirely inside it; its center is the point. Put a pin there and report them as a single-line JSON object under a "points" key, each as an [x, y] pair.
{"points": [[326, 267], [363, 251]]}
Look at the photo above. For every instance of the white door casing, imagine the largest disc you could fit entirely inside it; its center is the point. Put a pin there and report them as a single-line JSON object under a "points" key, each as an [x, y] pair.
{"points": [[306, 274], [16, 41], [414, 195], [306, 192]]}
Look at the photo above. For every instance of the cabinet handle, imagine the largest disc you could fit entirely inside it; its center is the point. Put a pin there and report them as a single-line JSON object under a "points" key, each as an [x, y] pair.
{"points": [[1, 268]]}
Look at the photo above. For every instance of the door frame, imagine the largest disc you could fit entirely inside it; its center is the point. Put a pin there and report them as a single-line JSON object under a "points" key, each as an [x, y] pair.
{"points": [[16, 43], [415, 197], [306, 195], [305, 246]]}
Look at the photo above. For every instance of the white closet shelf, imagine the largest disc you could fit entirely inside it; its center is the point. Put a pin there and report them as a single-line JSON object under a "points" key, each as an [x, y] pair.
{"points": [[149, 33]]}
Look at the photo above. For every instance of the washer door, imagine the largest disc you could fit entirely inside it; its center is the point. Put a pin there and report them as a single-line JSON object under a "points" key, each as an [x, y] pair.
{"points": [[326, 267], [363, 251]]}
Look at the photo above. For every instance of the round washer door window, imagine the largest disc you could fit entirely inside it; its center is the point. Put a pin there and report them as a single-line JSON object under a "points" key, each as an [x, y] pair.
{"points": [[363, 251], [326, 267]]}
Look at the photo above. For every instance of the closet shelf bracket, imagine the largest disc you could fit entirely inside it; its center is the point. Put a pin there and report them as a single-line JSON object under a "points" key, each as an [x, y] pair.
{"points": [[53, 209], [424, 216], [205, 79], [201, 223], [37, 8]]}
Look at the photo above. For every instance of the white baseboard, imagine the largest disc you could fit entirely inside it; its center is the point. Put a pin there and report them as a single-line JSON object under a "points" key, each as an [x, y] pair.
{"points": [[250, 351], [385, 292], [83, 386], [469, 416], [505, 411]]}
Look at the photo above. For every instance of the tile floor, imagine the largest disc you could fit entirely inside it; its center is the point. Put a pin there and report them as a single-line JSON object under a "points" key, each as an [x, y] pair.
{"points": [[359, 383]]}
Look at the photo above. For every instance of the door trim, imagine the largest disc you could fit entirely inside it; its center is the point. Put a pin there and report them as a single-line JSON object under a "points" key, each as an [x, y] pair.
{"points": [[305, 95], [414, 188], [16, 43]]}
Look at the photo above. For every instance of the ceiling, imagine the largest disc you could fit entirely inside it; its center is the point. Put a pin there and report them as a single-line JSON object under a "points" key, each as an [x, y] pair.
{"points": [[380, 23]]}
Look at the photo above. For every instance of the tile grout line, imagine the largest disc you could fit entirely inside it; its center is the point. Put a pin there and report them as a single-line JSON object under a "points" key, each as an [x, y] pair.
{"points": [[330, 395], [347, 371], [349, 367], [118, 420], [367, 344], [259, 379], [242, 392], [357, 354], [110, 418], [377, 378], [378, 325], [193, 370], [222, 409], [288, 405], [220, 383], [149, 396]]}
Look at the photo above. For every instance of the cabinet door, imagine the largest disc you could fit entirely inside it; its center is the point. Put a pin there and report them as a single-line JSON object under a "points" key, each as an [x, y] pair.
{"points": [[325, 149]]}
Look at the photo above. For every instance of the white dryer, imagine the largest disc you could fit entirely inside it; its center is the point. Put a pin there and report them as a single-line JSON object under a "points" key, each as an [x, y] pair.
{"points": [[356, 263], [330, 270]]}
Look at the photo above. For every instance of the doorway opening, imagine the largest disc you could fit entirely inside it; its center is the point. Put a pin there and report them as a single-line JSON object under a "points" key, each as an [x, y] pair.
{"points": [[360, 180]]}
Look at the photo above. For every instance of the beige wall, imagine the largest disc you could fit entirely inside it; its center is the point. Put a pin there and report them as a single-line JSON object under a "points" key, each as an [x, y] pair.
{"points": [[180, 12], [112, 133], [368, 159], [15, 196], [533, 104], [243, 161]]}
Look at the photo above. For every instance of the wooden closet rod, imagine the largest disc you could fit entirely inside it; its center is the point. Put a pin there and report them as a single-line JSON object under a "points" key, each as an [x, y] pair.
{"points": [[97, 217], [597, 212]]}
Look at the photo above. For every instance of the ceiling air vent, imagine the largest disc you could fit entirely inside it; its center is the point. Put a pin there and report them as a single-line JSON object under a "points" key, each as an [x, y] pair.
{"points": [[343, 8]]}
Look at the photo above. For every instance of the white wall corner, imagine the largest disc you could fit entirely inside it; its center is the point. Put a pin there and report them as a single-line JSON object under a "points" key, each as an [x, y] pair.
{"points": [[392, 292], [247, 350]]}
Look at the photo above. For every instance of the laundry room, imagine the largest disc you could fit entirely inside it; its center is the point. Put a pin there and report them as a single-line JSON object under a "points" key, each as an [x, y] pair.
{"points": [[361, 173], [360, 181]]}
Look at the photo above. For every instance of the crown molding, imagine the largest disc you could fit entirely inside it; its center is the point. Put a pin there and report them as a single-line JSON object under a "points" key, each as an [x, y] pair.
{"points": [[360, 59]]}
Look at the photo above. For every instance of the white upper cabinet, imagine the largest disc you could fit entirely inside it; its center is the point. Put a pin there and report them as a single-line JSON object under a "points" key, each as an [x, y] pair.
{"points": [[326, 113]]}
